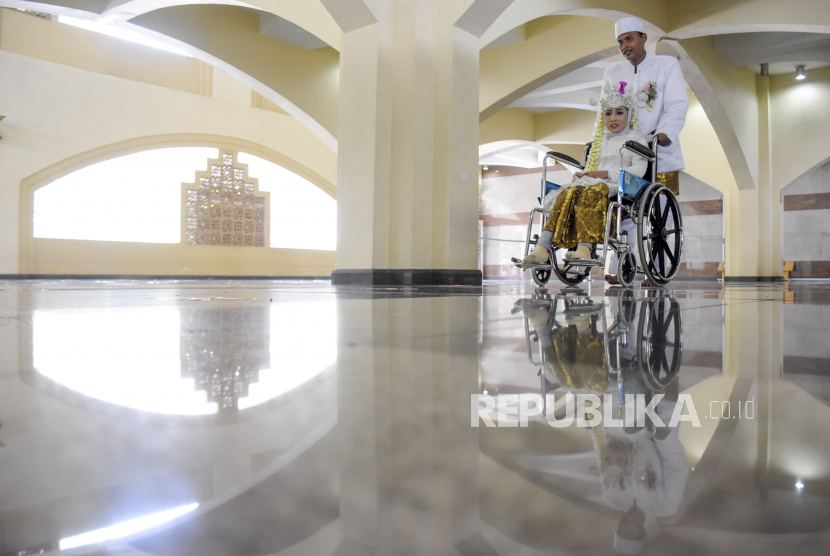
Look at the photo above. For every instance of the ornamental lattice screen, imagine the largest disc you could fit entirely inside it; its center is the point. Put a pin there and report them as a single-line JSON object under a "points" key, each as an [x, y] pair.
{"points": [[225, 207]]}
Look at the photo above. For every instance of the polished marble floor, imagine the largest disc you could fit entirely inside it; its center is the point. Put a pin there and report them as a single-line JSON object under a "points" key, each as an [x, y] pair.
{"points": [[252, 417]]}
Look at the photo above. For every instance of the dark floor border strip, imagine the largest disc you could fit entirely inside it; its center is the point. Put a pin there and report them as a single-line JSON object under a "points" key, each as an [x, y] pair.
{"points": [[754, 278], [405, 277], [150, 277]]}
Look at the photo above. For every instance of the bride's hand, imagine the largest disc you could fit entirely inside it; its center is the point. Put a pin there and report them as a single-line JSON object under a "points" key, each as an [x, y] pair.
{"points": [[597, 174], [577, 175]]}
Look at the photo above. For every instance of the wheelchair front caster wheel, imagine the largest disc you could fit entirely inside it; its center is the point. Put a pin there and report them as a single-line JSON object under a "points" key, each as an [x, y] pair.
{"points": [[540, 276], [627, 269]]}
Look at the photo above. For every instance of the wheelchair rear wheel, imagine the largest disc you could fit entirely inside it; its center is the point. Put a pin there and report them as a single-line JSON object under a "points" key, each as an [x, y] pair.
{"points": [[660, 341], [660, 234], [567, 273]]}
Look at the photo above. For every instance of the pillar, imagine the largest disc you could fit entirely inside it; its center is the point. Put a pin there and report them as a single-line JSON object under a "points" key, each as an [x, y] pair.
{"points": [[769, 203], [408, 148], [754, 214]]}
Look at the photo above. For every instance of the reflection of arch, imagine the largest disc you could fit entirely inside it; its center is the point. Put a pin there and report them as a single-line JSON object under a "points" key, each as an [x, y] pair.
{"points": [[300, 477], [240, 336], [71, 397]]}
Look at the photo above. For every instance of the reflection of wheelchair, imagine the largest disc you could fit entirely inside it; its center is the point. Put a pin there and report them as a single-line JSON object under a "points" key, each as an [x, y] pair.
{"points": [[648, 366], [652, 207]]}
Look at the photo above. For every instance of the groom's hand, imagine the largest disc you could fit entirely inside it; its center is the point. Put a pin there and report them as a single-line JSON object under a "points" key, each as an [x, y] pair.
{"points": [[663, 139]]}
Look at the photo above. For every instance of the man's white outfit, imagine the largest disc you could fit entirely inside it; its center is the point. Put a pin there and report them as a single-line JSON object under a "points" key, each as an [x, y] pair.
{"points": [[667, 115], [669, 107]]}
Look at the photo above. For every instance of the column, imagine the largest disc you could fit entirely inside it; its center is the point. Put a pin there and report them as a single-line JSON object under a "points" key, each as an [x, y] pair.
{"points": [[408, 148], [769, 203]]}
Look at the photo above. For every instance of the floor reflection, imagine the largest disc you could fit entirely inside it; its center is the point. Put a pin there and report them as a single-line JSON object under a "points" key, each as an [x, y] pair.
{"points": [[188, 359], [614, 352], [303, 419]]}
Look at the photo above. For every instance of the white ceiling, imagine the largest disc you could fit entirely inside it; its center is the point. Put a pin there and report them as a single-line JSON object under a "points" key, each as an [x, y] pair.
{"points": [[283, 30], [782, 51]]}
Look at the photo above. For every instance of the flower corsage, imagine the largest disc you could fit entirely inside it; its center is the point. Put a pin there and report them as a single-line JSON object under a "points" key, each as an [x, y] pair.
{"points": [[648, 94]]}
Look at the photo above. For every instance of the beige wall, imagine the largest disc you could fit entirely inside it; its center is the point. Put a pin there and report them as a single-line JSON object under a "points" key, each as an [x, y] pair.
{"points": [[507, 124], [800, 130], [64, 256], [729, 97], [60, 118], [702, 152], [564, 126]]}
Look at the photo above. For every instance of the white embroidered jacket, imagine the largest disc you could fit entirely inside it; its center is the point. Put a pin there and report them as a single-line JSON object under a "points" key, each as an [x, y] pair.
{"points": [[669, 107]]}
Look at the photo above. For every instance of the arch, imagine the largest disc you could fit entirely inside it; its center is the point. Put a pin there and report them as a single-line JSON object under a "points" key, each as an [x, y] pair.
{"points": [[713, 17], [823, 166], [653, 14], [699, 70], [306, 88], [28, 186], [310, 15], [303, 83], [510, 72], [81, 160], [803, 225]]}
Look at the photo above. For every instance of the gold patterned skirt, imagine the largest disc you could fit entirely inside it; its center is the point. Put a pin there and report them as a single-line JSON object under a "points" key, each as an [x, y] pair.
{"points": [[578, 215], [578, 360], [671, 180]]}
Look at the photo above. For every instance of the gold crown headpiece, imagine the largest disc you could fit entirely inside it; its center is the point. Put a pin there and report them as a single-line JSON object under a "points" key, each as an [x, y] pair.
{"points": [[615, 96]]}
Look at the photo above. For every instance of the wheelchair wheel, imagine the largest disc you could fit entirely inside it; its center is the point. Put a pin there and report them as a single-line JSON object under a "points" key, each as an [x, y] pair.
{"points": [[566, 272], [627, 269], [660, 234], [627, 306], [660, 341], [541, 276]]}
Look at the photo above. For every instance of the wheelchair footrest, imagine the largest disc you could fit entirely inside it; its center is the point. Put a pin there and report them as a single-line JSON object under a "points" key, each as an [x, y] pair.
{"points": [[583, 262]]}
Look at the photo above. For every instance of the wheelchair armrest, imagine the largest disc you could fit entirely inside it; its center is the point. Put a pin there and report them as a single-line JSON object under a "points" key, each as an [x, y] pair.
{"points": [[640, 149], [565, 159]]}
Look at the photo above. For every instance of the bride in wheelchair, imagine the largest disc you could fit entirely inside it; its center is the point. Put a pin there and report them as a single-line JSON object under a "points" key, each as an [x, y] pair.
{"points": [[578, 215]]}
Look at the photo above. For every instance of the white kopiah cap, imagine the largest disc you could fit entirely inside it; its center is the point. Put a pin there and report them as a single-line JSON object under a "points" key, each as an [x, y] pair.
{"points": [[626, 546], [628, 24]]}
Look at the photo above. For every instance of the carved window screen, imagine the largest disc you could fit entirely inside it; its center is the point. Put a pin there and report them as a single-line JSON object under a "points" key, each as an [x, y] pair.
{"points": [[225, 207]]}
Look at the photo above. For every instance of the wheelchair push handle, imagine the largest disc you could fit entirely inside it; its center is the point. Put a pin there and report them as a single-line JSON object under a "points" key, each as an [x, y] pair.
{"points": [[641, 150]]}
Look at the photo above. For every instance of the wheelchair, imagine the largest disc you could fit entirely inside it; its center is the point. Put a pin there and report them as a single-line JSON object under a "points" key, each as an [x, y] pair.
{"points": [[650, 205], [654, 323]]}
